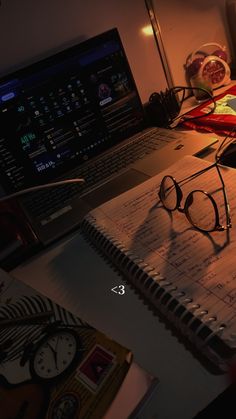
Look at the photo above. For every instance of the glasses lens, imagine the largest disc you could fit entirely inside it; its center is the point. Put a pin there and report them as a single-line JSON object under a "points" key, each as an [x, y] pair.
{"points": [[168, 193], [201, 211]]}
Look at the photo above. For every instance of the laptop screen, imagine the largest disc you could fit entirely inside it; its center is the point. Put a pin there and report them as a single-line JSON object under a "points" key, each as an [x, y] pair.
{"points": [[60, 112]]}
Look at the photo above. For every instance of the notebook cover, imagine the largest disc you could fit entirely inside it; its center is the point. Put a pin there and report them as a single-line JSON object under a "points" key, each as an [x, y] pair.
{"points": [[52, 363]]}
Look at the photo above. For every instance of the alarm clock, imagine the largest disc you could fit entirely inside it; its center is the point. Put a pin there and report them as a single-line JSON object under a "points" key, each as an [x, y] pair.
{"points": [[209, 67]]}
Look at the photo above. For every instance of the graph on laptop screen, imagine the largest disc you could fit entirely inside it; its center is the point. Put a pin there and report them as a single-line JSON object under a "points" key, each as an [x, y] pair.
{"points": [[65, 109]]}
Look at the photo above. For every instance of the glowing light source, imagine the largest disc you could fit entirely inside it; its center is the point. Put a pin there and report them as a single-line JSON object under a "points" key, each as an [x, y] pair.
{"points": [[147, 30]]}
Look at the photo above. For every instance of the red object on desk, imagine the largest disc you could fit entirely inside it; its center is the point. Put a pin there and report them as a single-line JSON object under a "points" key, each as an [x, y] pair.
{"points": [[221, 124]]}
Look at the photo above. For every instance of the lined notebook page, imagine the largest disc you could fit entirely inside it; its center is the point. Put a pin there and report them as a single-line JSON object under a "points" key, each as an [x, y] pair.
{"points": [[203, 265]]}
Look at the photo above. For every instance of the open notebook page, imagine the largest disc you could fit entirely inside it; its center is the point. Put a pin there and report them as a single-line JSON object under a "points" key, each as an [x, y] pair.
{"points": [[200, 264]]}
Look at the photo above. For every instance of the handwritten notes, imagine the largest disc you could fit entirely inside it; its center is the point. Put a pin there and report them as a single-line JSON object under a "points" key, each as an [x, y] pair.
{"points": [[203, 265]]}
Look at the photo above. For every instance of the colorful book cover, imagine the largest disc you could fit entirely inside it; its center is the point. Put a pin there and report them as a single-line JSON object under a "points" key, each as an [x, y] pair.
{"points": [[53, 364]]}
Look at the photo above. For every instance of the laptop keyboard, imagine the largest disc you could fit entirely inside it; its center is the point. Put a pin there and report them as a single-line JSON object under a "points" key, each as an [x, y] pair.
{"points": [[47, 201]]}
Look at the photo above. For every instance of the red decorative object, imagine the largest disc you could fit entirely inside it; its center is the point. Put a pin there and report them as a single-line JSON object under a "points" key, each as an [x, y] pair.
{"points": [[221, 124]]}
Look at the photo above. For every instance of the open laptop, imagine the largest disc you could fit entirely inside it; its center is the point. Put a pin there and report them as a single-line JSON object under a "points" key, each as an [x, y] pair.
{"points": [[78, 114]]}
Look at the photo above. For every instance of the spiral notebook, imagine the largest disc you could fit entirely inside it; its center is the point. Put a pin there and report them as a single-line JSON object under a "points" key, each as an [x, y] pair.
{"points": [[187, 275]]}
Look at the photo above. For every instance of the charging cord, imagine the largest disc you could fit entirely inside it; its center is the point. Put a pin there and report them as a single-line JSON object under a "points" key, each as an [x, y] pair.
{"points": [[38, 187], [164, 108], [183, 89]]}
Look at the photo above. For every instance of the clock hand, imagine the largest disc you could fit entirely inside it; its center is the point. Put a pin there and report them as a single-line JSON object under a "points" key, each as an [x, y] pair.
{"points": [[57, 344], [52, 349], [54, 355], [56, 351]]}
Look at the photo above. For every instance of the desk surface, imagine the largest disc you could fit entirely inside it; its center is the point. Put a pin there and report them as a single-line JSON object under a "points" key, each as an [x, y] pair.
{"points": [[75, 276]]}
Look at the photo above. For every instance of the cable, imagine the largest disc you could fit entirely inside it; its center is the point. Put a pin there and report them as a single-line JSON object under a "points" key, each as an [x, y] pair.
{"points": [[164, 107], [35, 188], [178, 89]]}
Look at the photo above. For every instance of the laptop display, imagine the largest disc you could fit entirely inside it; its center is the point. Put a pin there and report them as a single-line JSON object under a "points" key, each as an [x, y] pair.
{"points": [[61, 111]]}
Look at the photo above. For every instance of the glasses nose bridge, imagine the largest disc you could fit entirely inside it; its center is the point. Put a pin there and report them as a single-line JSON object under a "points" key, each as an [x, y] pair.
{"points": [[179, 195], [187, 202]]}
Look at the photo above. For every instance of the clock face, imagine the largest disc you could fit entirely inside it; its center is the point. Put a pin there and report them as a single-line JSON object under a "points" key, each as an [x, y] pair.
{"points": [[55, 354], [215, 70]]}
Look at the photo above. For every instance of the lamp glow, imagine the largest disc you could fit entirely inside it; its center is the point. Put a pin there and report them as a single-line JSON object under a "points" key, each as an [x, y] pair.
{"points": [[147, 30]]}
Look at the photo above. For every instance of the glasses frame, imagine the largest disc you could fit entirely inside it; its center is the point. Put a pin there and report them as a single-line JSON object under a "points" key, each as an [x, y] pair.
{"points": [[179, 195]]}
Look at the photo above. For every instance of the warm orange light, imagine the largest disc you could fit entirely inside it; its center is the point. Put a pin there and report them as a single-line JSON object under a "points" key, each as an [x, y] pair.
{"points": [[147, 30]]}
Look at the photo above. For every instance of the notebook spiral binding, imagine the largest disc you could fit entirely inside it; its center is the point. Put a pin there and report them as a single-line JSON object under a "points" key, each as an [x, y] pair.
{"points": [[195, 323]]}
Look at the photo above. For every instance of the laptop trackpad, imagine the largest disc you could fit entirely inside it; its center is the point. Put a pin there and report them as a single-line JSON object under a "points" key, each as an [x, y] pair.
{"points": [[115, 187]]}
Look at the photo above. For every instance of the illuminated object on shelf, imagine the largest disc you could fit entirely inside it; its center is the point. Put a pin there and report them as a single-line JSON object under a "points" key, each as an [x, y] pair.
{"points": [[147, 30]]}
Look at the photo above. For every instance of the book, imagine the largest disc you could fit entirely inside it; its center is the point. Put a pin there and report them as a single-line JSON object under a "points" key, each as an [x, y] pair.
{"points": [[188, 276], [53, 364]]}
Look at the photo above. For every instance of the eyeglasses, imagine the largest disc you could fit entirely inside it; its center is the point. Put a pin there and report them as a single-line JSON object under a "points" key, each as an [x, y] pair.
{"points": [[199, 207]]}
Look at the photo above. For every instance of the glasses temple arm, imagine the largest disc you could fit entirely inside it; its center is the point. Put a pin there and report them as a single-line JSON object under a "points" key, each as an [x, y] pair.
{"points": [[198, 173], [226, 202]]}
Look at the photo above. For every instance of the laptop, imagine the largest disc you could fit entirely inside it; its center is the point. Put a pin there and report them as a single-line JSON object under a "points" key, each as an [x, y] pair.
{"points": [[78, 114]]}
